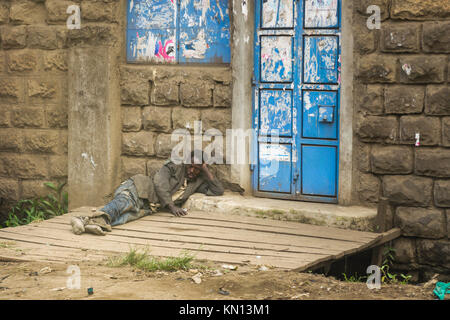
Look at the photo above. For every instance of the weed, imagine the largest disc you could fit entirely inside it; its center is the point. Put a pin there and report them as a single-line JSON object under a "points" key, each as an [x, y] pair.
{"points": [[143, 261], [31, 210], [354, 278], [386, 275]]}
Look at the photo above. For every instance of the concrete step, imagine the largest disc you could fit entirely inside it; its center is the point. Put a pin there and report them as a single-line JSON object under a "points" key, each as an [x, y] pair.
{"points": [[321, 214]]}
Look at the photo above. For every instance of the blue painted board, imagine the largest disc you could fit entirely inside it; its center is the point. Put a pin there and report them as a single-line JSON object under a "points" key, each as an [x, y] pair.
{"points": [[321, 59], [275, 112], [319, 170], [275, 167], [319, 114]]}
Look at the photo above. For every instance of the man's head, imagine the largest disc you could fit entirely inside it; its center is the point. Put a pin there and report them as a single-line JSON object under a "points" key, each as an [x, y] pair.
{"points": [[194, 169]]}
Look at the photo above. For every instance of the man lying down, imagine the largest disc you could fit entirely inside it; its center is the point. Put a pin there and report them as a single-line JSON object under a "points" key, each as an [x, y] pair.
{"points": [[141, 195]]}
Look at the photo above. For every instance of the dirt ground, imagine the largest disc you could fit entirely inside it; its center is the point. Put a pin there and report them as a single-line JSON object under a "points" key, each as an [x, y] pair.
{"points": [[41, 281]]}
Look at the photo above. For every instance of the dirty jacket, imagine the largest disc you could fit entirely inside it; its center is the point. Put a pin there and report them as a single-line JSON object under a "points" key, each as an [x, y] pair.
{"points": [[168, 180]]}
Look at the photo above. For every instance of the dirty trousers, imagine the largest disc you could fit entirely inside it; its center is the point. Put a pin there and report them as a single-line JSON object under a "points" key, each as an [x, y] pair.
{"points": [[126, 205]]}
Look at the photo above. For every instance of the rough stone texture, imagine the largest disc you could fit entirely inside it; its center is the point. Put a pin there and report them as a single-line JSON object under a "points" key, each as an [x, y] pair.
{"points": [[363, 155], [11, 90], [58, 167], [428, 127], [222, 96], [400, 38], [362, 5], [32, 189], [4, 116], [392, 160], [56, 10], [164, 145], [27, 117], [404, 99], [13, 37], [157, 119], [23, 166], [57, 118], [420, 222], [442, 193], [41, 141], [419, 10], [99, 11], [132, 166], [365, 40], [22, 61], [447, 213], [374, 128], [131, 119], [408, 190], [165, 94], [377, 69], [9, 188], [433, 162], [196, 94], [432, 252], [368, 188], [27, 12], [422, 69], [405, 250], [154, 165], [42, 37], [42, 90], [438, 100], [139, 144], [185, 117], [436, 37], [219, 119], [446, 131], [55, 61], [370, 99], [92, 35], [11, 140], [134, 87], [4, 12]]}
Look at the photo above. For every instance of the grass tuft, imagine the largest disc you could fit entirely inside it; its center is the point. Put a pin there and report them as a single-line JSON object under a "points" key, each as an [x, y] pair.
{"points": [[146, 262]]}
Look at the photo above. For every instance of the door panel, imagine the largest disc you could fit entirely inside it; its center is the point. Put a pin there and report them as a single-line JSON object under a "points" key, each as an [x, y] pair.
{"points": [[296, 99]]}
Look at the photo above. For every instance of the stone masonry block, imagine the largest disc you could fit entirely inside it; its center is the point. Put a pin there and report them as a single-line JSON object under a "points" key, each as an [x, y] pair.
{"points": [[56, 117], [55, 61], [419, 10], [57, 10], [164, 145], [196, 94], [41, 141], [365, 40], [375, 128], [157, 119], [24, 166], [138, 144], [5, 116], [363, 156], [34, 189], [428, 127], [405, 250], [9, 189], [422, 69], [131, 119], [434, 252], [184, 118], [134, 87], [438, 100], [11, 90], [433, 162], [404, 99], [442, 193], [219, 119], [362, 5], [40, 90], [392, 159], [13, 37], [370, 99], [420, 222], [22, 61], [132, 166], [27, 118], [377, 69], [42, 37], [368, 188], [165, 93], [446, 131], [222, 95], [27, 12], [154, 165], [436, 37], [58, 167], [11, 140], [407, 190], [99, 11], [4, 12], [400, 38]]}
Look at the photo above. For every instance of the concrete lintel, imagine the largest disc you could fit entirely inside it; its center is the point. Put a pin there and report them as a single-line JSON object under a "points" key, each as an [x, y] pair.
{"points": [[94, 125], [331, 215]]}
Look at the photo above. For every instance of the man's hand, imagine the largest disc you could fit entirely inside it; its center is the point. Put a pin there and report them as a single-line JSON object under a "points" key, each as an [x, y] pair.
{"points": [[176, 211]]}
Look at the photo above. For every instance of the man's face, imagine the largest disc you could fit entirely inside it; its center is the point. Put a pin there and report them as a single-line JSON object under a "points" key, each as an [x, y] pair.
{"points": [[193, 171]]}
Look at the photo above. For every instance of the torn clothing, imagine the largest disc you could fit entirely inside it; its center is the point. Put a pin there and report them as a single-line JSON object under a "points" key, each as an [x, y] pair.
{"points": [[141, 195]]}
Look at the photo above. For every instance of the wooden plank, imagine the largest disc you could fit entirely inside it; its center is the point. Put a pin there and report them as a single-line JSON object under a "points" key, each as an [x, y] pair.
{"points": [[200, 241], [174, 228], [112, 246], [62, 234], [258, 224]]}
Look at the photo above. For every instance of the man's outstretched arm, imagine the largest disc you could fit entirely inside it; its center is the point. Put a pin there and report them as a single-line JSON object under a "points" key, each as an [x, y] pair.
{"points": [[212, 186], [162, 189]]}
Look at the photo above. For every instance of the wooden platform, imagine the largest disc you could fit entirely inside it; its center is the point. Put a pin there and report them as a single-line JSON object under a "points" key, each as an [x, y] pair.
{"points": [[232, 239]]}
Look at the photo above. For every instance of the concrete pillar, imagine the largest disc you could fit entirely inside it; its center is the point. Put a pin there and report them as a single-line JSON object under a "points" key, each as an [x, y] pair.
{"points": [[242, 72], [94, 125]]}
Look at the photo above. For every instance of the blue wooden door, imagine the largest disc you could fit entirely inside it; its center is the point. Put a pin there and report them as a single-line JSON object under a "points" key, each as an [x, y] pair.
{"points": [[296, 99]]}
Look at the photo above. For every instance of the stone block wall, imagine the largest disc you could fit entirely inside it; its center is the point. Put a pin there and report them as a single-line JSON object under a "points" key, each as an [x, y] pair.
{"points": [[156, 100], [402, 88]]}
